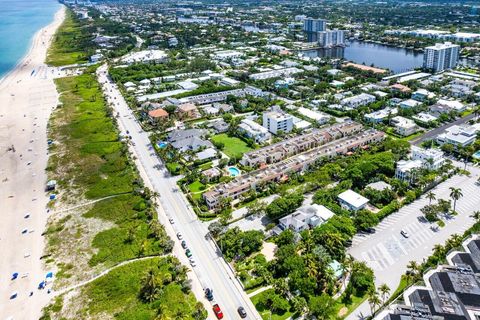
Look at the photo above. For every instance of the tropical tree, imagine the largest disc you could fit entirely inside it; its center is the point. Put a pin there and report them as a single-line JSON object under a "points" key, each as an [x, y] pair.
{"points": [[373, 301], [413, 267], [476, 215], [384, 289], [431, 196], [151, 287], [455, 194]]}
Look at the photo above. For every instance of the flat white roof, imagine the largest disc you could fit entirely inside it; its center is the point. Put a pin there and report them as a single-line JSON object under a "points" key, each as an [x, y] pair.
{"points": [[354, 199]]}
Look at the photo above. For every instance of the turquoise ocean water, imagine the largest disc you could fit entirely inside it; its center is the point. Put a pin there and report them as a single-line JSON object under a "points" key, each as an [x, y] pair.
{"points": [[19, 20]]}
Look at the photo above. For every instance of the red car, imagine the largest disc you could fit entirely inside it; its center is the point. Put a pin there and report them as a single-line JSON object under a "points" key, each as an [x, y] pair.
{"points": [[218, 312]]}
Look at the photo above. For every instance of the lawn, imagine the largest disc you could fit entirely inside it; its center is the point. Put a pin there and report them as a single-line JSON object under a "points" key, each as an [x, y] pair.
{"points": [[233, 146], [356, 301], [196, 186], [267, 314], [68, 45]]}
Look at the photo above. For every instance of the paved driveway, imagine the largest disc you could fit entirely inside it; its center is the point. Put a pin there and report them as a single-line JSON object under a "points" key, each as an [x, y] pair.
{"points": [[387, 252]]}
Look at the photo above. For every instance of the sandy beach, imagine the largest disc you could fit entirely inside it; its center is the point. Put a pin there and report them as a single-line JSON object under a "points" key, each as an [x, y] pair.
{"points": [[27, 97]]}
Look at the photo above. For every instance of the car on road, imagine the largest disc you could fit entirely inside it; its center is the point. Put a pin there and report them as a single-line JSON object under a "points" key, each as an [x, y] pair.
{"points": [[184, 244], [370, 230], [209, 294], [188, 253], [218, 312], [241, 311], [404, 234], [192, 262], [171, 220], [179, 236], [348, 243]]}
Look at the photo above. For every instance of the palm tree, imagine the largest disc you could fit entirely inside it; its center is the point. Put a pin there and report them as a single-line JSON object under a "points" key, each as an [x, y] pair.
{"points": [[413, 267], [431, 196], [151, 287], [476, 215], [374, 301], [455, 194], [384, 290]]}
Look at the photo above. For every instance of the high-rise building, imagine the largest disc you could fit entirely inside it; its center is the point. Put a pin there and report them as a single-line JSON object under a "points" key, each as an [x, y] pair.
{"points": [[312, 26], [441, 56], [331, 38]]}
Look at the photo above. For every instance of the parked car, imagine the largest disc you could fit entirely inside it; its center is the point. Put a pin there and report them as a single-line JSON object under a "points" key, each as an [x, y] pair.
{"points": [[218, 312], [370, 230], [188, 253], [209, 294], [179, 236], [404, 233], [241, 311], [171, 220], [184, 244]]}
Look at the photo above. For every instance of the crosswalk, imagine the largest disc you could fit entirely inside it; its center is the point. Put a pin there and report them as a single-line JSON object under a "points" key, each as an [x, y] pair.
{"points": [[392, 246]]}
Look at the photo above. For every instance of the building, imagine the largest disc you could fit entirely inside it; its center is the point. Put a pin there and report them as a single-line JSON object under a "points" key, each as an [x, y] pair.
{"points": [[458, 135], [187, 110], [409, 104], [305, 217], [350, 200], [277, 120], [157, 115], [280, 171], [422, 94], [331, 38], [424, 118], [449, 292], [296, 145], [357, 101], [404, 126], [441, 56], [275, 73], [319, 117], [405, 170], [312, 26], [431, 158], [254, 131], [447, 106], [380, 115]]}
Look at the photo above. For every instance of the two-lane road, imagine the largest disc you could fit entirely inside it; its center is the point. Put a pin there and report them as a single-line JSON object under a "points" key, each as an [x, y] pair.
{"points": [[211, 270]]}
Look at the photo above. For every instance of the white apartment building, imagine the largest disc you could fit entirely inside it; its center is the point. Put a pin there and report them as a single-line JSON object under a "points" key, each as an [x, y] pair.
{"points": [[405, 170], [277, 120], [275, 73], [254, 131], [320, 118], [458, 135], [431, 158], [331, 38], [441, 56], [357, 101], [404, 126]]}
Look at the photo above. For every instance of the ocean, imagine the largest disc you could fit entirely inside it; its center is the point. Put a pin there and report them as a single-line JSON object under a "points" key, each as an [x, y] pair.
{"points": [[19, 21]]}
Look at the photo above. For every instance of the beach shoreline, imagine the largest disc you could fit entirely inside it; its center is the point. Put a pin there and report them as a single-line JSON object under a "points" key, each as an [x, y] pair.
{"points": [[27, 97]]}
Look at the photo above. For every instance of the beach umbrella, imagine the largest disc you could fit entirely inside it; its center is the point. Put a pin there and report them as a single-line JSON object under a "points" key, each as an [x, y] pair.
{"points": [[14, 275], [49, 275]]}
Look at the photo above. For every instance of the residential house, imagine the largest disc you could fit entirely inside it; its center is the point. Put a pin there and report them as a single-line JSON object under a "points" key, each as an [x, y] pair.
{"points": [[409, 104], [305, 217], [350, 200], [157, 115], [422, 95], [458, 135], [357, 101], [187, 111], [380, 115]]}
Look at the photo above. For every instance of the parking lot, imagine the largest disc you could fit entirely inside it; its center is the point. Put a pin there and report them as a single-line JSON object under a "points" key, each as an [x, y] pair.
{"points": [[387, 252]]}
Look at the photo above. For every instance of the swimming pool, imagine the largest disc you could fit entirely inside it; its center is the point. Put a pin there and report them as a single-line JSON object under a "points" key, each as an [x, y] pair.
{"points": [[161, 144], [233, 171], [476, 155]]}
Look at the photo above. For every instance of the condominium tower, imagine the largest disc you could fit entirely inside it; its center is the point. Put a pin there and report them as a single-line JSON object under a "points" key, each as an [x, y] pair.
{"points": [[441, 56], [312, 27]]}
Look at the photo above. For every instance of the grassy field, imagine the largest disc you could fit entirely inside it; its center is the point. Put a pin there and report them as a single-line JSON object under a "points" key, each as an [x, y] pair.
{"points": [[120, 293], [69, 43], [234, 147], [90, 162]]}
